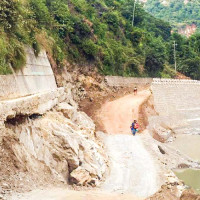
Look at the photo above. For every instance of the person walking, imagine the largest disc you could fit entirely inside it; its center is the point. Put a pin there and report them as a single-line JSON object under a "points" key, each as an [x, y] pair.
{"points": [[135, 90], [134, 127]]}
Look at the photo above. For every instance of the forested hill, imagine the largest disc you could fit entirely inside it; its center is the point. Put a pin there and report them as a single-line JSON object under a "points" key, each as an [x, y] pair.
{"points": [[95, 33], [177, 12]]}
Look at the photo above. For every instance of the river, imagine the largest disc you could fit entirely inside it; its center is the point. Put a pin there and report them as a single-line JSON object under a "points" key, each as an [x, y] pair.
{"points": [[189, 145]]}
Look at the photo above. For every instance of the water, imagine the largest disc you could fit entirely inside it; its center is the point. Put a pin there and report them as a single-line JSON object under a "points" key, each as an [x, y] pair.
{"points": [[191, 177], [188, 145]]}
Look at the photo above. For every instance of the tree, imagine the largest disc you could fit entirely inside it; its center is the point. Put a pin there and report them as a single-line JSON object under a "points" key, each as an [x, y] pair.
{"points": [[191, 67], [155, 56]]}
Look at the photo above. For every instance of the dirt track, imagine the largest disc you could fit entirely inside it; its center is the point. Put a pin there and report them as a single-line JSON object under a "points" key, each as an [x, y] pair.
{"points": [[132, 167], [65, 194], [117, 115]]}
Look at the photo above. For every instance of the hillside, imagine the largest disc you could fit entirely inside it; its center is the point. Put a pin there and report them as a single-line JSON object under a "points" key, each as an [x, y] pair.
{"points": [[94, 34], [178, 12]]}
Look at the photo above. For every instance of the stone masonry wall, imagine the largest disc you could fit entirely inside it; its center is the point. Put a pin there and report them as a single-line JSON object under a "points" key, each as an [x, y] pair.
{"points": [[120, 81], [37, 76], [179, 102]]}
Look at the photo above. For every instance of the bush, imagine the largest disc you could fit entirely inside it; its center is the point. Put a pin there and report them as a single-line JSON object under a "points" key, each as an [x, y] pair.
{"points": [[113, 20], [58, 54], [17, 55], [100, 29], [41, 12], [89, 48], [191, 67], [136, 36], [12, 53], [168, 72], [9, 14], [36, 47], [81, 30], [108, 57], [132, 66], [4, 67], [153, 64], [74, 52]]}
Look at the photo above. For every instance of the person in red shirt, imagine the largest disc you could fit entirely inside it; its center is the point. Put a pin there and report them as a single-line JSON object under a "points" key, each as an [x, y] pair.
{"points": [[135, 90], [134, 127]]}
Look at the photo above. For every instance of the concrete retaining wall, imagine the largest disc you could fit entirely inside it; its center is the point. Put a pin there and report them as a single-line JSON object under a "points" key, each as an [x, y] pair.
{"points": [[37, 103], [120, 81], [37, 76], [179, 102]]}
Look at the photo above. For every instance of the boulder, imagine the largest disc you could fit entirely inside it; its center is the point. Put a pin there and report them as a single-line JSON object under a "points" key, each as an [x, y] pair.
{"points": [[161, 134], [83, 121], [66, 109], [189, 195], [80, 176]]}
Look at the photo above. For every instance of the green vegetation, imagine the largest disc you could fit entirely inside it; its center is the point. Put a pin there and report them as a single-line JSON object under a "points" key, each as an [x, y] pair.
{"points": [[176, 11], [94, 33], [188, 55], [12, 52]]}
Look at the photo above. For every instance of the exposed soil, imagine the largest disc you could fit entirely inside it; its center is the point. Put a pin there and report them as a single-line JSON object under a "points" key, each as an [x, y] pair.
{"points": [[146, 110], [96, 98], [118, 115], [134, 169], [93, 103], [65, 194], [165, 193]]}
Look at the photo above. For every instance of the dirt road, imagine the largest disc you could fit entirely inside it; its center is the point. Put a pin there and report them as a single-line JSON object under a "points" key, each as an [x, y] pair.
{"points": [[117, 115], [132, 167], [65, 194]]}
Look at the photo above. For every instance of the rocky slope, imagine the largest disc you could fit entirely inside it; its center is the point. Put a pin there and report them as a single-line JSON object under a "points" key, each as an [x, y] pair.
{"points": [[45, 134], [56, 142]]}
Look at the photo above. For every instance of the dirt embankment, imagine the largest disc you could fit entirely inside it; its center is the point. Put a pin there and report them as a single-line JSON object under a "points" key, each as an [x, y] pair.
{"points": [[146, 110], [166, 193]]}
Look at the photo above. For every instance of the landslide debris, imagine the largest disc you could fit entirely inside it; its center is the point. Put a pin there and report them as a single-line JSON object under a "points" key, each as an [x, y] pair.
{"points": [[58, 147]]}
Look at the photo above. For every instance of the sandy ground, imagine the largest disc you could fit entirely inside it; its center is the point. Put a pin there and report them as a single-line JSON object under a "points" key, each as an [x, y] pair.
{"points": [[65, 194], [133, 171], [132, 168]]}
